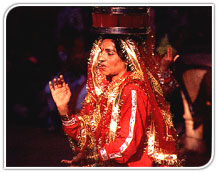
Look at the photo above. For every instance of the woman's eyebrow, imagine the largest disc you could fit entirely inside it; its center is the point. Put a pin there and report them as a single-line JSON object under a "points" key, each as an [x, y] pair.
{"points": [[110, 50]]}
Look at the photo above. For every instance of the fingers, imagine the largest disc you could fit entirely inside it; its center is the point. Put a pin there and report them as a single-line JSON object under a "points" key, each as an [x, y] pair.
{"points": [[67, 87], [74, 160], [66, 161], [169, 52], [58, 83], [175, 58], [62, 80], [50, 86], [55, 83]]}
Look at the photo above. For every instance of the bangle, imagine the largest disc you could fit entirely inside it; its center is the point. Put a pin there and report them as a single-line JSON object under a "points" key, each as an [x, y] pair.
{"points": [[69, 122], [65, 117], [165, 77]]}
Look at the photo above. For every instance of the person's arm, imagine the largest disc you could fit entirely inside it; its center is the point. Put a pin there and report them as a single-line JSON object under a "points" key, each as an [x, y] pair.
{"points": [[74, 128], [167, 60], [61, 94], [73, 124], [166, 77], [131, 134]]}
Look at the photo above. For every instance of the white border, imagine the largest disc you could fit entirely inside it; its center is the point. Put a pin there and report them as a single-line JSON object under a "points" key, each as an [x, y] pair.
{"points": [[108, 4]]}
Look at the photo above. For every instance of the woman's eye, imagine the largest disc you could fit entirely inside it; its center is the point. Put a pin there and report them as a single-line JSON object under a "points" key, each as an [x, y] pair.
{"points": [[110, 53]]}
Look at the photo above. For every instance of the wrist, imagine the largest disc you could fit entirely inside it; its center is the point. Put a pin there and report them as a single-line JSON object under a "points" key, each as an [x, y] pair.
{"points": [[164, 68], [68, 120], [63, 110], [66, 117]]}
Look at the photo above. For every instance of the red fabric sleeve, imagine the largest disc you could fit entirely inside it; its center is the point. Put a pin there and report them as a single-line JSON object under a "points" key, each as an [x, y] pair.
{"points": [[133, 126], [72, 129]]}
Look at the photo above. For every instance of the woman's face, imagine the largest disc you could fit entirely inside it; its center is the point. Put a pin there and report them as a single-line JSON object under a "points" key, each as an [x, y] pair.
{"points": [[110, 62]]}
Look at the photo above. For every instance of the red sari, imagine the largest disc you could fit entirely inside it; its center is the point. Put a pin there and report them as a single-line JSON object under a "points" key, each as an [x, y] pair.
{"points": [[126, 122], [129, 146]]}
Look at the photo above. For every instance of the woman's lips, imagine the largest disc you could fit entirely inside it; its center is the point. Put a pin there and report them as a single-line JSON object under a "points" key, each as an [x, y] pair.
{"points": [[103, 67]]}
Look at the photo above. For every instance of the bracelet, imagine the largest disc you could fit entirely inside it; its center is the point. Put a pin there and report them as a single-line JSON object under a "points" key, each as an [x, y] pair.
{"points": [[68, 120], [165, 77], [65, 117]]}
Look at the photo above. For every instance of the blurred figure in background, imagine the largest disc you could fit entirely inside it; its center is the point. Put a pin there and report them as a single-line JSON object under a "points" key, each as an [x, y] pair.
{"points": [[74, 71], [73, 55]]}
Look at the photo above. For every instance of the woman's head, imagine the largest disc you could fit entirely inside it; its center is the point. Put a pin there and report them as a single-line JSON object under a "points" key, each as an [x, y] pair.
{"points": [[111, 60], [116, 39]]}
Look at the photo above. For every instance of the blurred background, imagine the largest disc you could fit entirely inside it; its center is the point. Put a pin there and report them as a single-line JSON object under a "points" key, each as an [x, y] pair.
{"points": [[43, 42]]}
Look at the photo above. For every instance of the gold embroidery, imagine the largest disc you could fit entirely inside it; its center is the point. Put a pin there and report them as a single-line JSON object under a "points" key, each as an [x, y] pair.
{"points": [[167, 118], [94, 69], [155, 84], [132, 57], [83, 133], [114, 93], [168, 137], [159, 155]]}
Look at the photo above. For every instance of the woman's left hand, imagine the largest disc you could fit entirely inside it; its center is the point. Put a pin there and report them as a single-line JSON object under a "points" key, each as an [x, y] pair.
{"points": [[167, 59]]}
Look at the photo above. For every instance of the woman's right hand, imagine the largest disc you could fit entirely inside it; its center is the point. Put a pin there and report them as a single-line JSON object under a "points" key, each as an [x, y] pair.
{"points": [[61, 94], [76, 161]]}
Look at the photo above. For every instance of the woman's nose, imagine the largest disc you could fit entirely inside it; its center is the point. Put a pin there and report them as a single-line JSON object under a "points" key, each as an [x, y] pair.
{"points": [[102, 56]]}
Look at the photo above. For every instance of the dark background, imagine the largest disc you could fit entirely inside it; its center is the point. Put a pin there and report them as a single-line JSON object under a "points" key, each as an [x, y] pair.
{"points": [[33, 38]]}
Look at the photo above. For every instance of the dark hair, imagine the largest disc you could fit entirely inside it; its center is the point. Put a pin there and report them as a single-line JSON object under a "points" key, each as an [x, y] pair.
{"points": [[117, 41]]}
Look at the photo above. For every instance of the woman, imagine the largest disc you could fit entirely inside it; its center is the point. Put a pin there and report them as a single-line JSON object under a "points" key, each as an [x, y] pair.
{"points": [[125, 120]]}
